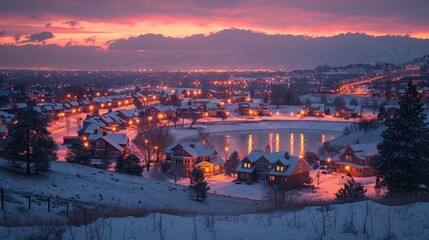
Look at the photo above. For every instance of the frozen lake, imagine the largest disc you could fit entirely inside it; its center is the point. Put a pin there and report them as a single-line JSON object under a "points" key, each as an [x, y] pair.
{"points": [[296, 142]]}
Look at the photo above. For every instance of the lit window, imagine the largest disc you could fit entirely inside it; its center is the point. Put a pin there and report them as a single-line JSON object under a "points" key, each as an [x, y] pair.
{"points": [[246, 165], [272, 178], [279, 168]]}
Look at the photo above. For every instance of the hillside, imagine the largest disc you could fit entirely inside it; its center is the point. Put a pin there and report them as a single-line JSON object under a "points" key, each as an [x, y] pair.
{"points": [[85, 187]]}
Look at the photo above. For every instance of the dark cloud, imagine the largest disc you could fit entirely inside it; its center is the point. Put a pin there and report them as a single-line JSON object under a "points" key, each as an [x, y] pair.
{"points": [[33, 17], [18, 37], [90, 40], [228, 49], [48, 25], [71, 23], [2, 33], [39, 37]]}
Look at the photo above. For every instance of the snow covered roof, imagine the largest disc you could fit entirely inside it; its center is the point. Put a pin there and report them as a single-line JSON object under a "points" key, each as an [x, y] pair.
{"points": [[115, 116], [211, 105], [128, 112], [289, 164], [116, 139], [365, 149], [113, 139], [103, 99], [353, 108], [219, 161], [193, 148], [89, 129], [274, 157], [6, 115], [254, 155], [86, 102], [164, 108]]}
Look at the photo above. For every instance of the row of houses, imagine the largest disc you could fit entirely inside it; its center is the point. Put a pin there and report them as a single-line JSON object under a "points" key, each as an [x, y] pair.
{"points": [[320, 110], [277, 168]]}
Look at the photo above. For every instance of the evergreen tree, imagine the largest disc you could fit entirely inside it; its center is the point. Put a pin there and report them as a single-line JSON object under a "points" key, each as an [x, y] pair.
{"points": [[76, 153], [403, 160], [129, 165], [198, 186], [352, 191], [29, 141], [382, 114], [231, 164]]}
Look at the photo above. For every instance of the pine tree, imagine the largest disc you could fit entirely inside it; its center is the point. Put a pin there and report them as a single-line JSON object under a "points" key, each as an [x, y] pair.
{"points": [[129, 165], [29, 141], [198, 186], [231, 164], [403, 160], [352, 191], [382, 114], [77, 154]]}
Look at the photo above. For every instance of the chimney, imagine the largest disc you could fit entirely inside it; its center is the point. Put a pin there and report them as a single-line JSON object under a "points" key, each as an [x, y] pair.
{"points": [[104, 133], [287, 156], [95, 131], [192, 145], [268, 149]]}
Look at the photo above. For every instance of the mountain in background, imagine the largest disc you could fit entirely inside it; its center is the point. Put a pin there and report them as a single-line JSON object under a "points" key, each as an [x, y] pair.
{"points": [[228, 49]]}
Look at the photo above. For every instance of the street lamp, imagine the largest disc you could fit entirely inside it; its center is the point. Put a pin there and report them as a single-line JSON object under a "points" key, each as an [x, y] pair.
{"points": [[226, 152]]}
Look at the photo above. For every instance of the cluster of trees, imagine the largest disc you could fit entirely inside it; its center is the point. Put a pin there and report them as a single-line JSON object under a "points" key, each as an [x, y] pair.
{"points": [[152, 141], [30, 142], [403, 160]]}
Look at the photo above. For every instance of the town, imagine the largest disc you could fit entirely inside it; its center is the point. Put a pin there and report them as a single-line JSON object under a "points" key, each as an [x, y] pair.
{"points": [[214, 120]]}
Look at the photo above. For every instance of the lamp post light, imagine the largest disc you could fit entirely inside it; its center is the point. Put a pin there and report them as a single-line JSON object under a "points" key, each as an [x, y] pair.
{"points": [[226, 152]]}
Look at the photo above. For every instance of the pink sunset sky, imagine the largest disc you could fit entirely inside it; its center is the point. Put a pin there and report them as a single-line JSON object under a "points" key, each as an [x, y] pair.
{"points": [[96, 22]]}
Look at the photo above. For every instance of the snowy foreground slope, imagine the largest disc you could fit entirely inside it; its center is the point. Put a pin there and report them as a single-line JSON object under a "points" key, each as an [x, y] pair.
{"points": [[363, 220], [85, 187]]}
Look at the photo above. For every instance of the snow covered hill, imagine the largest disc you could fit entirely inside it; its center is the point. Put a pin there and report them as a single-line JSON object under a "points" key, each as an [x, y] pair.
{"points": [[86, 187]]}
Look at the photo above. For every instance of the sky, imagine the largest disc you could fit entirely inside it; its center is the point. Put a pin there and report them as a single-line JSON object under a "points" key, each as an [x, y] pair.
{"points": [[96, 22], [100, 23]]}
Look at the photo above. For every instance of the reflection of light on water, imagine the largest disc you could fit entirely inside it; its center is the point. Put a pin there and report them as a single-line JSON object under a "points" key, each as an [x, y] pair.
{"points": [[323, 138], [291, 143], [277, 142], [301, 145], [250, 144], [270, 140]]}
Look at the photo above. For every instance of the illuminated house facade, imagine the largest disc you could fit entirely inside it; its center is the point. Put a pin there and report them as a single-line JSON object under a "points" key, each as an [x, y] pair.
{"points": [[354, 159], [192, 155], [274, 168]]}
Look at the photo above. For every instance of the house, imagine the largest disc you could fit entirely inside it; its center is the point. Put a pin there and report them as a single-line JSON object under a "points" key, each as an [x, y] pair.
{"points": [[354, 159], [102, 145], [161, 112], [192, 155], [40, 96], [8, 96], [349, 111], [274, 168], [117, 120], [128, 114], [240, 96], [92, 126], [313, 110], [211, 109], [252, 109]]}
